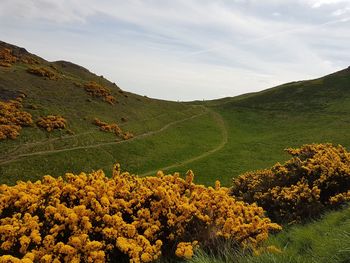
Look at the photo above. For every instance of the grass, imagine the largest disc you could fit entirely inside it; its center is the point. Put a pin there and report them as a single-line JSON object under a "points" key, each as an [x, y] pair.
{"points": [[257, 139], [185, 136], [259, 126], [322, 241], [137, 156], [63, 97]]}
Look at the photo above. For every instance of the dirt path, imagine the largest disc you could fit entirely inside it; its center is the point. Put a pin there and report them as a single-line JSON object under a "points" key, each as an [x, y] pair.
{"points": [[219, 120], [25, 146], [47, 141], [15, 158]]}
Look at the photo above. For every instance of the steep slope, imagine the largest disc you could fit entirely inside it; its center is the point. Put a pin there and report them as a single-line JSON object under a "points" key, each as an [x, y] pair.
{"points": [[65, 89], [217, 139], [261, 125], [321, 94]]}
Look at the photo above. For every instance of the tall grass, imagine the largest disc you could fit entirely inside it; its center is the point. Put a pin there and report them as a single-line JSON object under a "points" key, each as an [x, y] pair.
{"points": [[323, 241]]}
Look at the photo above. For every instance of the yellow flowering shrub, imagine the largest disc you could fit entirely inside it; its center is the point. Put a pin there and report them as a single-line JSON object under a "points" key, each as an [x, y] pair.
{"points": [[9, 131], [316, 177], [340, 198], [13, 118], [5, 64], [52, 122], [113, 128], [92, 218], [97, 90], [43, 72], [29, 59], [128, 135], [6, 57], [185, 249], [9, 56]]}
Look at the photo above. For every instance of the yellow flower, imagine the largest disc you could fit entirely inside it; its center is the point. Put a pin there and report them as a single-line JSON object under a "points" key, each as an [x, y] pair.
{"points": [[184, 250], [126, 213], [145, 257], [24, 241]]}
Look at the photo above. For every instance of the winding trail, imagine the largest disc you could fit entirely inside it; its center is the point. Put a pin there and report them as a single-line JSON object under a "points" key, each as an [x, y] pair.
{"points": [[24, 146], [47, 141], [220, 121], [143, 135]]}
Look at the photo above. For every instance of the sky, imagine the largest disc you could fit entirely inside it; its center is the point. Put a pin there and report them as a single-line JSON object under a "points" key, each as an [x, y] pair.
{"points": [[186, 49]]}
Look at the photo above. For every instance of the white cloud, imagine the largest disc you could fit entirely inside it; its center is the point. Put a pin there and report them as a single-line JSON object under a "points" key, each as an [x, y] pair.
{"points": [[342, 11], [184, 50], [320, 3], [58, 11]]}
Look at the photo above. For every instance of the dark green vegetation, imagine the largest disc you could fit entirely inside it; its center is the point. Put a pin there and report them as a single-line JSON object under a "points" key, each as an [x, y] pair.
{"points": [[216, 139]]}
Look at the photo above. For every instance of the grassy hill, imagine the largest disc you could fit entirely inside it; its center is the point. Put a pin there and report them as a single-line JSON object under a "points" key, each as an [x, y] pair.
{"points": [[216, 139], [84, 147], [261, 125]]}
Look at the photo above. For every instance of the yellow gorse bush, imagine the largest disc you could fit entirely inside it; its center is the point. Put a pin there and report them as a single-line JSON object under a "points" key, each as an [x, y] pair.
{"points": [[6, 57], [52, 122], [128, 135], [13, 118], [316, 177], [113, 128], [92, 218], [97, 90], [43, 72], [185, 249], [10, 56]]}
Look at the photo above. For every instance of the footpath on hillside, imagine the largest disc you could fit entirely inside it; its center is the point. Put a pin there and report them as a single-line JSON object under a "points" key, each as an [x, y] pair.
{"points": [[221, 124], [13, 158]]}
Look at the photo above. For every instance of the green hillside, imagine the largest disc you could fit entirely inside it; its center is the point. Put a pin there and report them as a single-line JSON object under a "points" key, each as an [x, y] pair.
{"points": [[216, 139], [261, 125], [83, 147]]}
